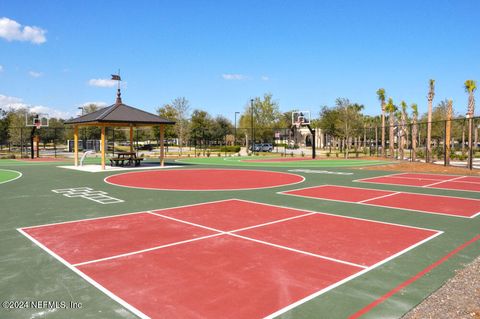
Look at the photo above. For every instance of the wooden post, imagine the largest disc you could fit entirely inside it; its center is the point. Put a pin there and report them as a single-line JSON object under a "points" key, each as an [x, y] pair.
{"points": [[162, 144], [131, 138], [75, 144], [102, 146]]}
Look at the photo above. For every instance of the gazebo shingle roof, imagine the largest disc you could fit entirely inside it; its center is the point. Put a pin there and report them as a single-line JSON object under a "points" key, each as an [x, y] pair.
{"points": [[120, 113]]}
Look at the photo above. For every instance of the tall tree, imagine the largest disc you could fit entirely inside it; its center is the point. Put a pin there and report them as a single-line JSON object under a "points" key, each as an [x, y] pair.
{"points": [[182, 108], [167, 111], [381, 98], [391, 108], [266, 115], [414, 130], [402, 129], [431, 94], [448, 126], [470, 88]]}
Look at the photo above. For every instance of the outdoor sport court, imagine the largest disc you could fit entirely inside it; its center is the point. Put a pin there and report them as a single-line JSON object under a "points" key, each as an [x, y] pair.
{"points": [[204, 179], [149, 261], [451, 182], [435, 204], [203, 241]]}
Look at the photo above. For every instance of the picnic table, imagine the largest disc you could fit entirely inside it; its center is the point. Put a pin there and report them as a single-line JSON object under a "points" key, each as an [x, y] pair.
{"points": [[126, 158]]}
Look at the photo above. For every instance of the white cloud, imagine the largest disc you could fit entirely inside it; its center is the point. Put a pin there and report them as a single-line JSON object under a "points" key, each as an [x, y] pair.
{"points": [[232, 76], [16, 103], [98, 103], [35, 74], [11, 30], [265, 78], [102, 83]]}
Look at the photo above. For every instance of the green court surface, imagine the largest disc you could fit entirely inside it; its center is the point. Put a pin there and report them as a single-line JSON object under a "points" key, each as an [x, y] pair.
{"points": [[8, 175], [263, 161], [29, 273]]}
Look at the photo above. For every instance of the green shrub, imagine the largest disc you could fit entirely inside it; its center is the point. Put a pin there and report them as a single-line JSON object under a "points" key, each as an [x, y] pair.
{"points": [[234, 149], [7, 156], [328, 154]]}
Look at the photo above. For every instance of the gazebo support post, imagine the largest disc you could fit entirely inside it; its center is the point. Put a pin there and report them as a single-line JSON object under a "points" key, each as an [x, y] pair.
{"points": [[102, 147], [131, 138], [75, 144], [162, 145]]}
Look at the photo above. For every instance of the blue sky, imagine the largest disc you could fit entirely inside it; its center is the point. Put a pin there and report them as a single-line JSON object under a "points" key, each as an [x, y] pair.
{"points": [[219, 54]]}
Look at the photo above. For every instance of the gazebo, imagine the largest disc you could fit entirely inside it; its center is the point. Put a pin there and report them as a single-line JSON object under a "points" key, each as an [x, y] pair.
{"points": [[119, 115]]}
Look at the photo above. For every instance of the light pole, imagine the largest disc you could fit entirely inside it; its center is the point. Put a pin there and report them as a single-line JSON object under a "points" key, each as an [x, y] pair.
{"points": [[81, 108], [253, 138], [235, 138]]}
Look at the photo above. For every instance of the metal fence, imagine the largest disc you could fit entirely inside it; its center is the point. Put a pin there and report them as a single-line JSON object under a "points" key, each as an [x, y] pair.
{"points": [[408, 142]]}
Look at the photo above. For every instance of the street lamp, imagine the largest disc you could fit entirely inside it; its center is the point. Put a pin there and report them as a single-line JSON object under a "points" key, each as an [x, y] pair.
{"points": [[235, 138], [253, 138], [81, 108]]}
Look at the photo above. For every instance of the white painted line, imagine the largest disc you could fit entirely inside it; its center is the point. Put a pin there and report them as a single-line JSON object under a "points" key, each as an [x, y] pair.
{"points": [[146, 250], [211, 190], [336, 215], [448, 180], [375, 205], [87, 278], [11, 180], [378, 197], [299, 251], [123, 214], [341, 282], [291, 306], [366, 180]]}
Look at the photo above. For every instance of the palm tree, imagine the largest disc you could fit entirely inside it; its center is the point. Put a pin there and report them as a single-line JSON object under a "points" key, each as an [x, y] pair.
{"points": [[391, 108], [381, 98], [448, 126], [470, 87], [431, 94], [414, 130], [402, 129]]}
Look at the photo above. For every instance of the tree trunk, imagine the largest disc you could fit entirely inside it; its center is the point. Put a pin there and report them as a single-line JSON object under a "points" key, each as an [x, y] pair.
{"points": [[384, 152], [414, 140], [391, 137], [448, 125], [376, 140], [429, 131]]}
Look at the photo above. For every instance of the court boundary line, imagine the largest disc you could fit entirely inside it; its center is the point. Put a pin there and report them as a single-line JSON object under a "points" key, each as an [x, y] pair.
{"points": [[11, 180], [366, 180], [123, 214], [376, 205], [280, 166], [278, 312], [446, 180], [347, 279], [84, 276], [210, 190], [412, 279]]}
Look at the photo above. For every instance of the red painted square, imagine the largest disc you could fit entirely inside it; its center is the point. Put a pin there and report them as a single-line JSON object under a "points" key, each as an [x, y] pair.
{"points": [[435, 177], [399, 181], [87, 240], [435, 204], [470, 179], [353, 240], [231, 214], [347, 194], [463, 186], [218, 277]]}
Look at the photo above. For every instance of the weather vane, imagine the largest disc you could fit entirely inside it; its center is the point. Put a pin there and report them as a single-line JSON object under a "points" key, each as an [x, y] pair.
{"points": [[116, 77]]}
